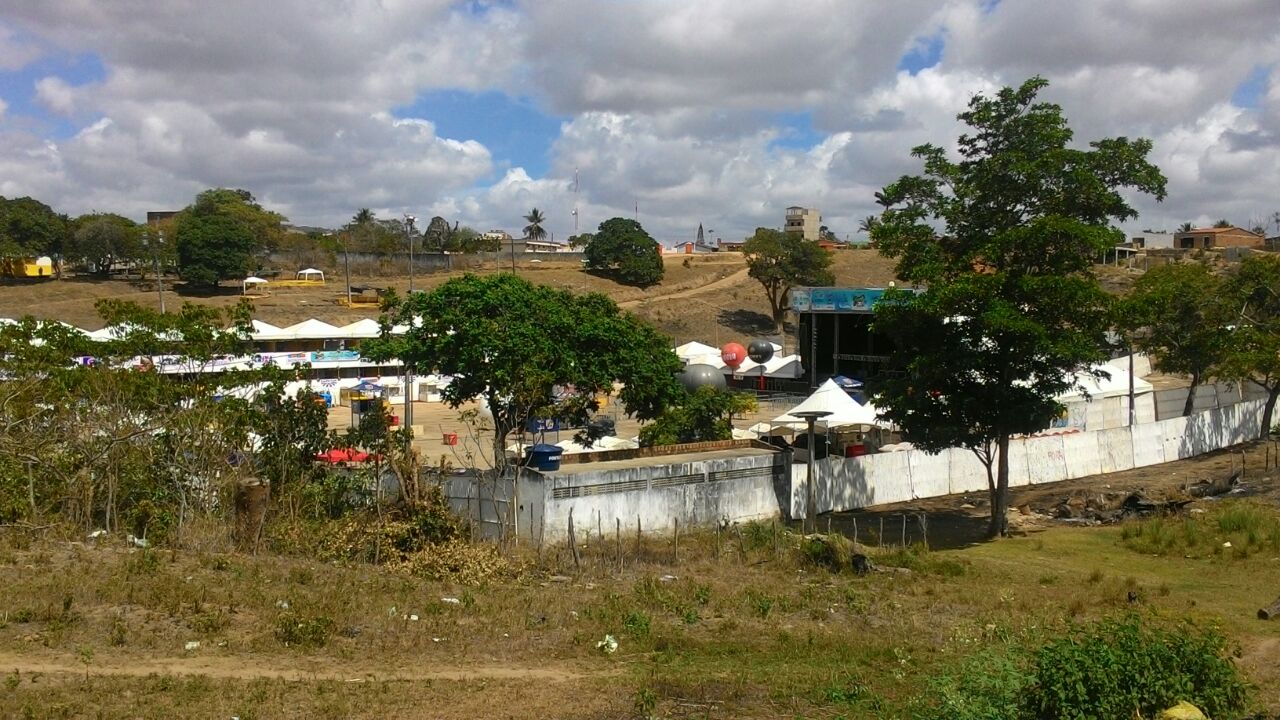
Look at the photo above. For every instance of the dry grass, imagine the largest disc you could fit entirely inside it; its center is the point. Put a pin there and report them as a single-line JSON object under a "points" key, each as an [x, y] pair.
{"points": [[729, 624]]}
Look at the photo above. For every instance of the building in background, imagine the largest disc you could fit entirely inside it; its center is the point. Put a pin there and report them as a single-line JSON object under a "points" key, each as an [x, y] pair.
{"points": [[806, 221], [1218, 237], [1152, 240]]}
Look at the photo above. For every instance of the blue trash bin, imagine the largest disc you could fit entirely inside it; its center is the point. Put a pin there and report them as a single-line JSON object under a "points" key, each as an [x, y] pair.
{"points": [[545, 457]]}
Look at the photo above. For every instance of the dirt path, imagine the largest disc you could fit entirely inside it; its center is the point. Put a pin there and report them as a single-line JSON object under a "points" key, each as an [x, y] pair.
{"points": [[233, 667], [727, 281]]}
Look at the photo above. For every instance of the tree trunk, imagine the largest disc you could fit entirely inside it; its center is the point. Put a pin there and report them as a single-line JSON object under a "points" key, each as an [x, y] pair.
{"points": [[1268, 410], [1191, 396], [1000, 493]]}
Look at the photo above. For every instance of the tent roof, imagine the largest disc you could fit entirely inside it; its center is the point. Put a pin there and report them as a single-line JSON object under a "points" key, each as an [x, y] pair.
{"points": [[254, 280], [695, 349], [787, 366], [313, 329], [1097, 388], [843, 409], [608, 442], [365, 328], [311, 271]]}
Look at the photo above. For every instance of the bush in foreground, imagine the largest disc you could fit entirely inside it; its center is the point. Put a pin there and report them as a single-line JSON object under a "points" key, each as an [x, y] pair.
{"points": [[1120, 667]]}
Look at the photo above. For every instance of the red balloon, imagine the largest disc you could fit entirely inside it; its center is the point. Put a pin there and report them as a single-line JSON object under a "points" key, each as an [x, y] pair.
{"points": [[733, 354]]}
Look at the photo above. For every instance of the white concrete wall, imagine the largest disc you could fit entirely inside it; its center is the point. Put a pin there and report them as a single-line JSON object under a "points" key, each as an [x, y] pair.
{"points": [[846, 484]]}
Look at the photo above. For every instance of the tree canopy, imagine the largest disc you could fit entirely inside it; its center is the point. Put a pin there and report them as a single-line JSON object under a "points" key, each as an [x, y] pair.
{"points": [[1178, 315], [1252, 350], [1003, 240], [29, 227], [621, 249], [101, 239], [780, 261], [527, 351], [702, 415], [220, 235]]}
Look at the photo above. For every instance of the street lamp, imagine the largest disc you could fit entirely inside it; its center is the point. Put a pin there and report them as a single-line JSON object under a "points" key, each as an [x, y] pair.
{"points": [[155, 258], [408, 234], [408, 369], [810, 495]]}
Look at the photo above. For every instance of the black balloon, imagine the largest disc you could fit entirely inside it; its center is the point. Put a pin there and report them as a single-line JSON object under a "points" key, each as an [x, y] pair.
{"points": [[760, 351], [699, 375]]}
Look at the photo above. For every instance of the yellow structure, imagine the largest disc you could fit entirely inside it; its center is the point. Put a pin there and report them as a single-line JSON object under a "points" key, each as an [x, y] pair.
{"points": [[27, 267]]}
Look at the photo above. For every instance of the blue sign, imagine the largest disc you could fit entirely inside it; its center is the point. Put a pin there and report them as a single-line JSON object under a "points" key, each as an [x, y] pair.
{"points": [[835, 299], [335, 355]]}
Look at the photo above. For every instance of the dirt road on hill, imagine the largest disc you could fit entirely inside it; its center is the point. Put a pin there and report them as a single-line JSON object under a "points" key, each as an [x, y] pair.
{"points": [[724, 283]]}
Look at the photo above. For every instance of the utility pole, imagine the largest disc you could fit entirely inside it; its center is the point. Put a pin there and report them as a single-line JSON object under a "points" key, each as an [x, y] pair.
{"points": [[408, 234], [408, 369], [155, 261], [575, 201], [346, 261]]}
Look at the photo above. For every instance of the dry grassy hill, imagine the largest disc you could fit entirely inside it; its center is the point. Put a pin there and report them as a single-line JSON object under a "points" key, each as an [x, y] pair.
{"points": [[708, 298]]}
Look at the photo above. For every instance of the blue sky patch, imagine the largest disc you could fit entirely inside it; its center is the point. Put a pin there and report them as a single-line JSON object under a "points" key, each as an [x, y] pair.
{"points": [[925, 53], [796, 131], [18, 88], [1252, 89], [516, 132]]}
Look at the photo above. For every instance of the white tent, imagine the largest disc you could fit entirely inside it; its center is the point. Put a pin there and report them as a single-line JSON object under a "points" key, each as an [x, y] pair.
{"points": [[310, 274], [831, 398], [313, 329], [691, 350], [266, 331], [366, 328], [1098, 388], [253, 281], [778, 366]]}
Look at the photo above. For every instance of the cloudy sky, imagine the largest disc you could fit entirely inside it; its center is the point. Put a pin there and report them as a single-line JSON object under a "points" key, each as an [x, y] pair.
{"points": [[720, 112]]}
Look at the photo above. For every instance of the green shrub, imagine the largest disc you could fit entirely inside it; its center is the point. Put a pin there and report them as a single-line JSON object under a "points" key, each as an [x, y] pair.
{"points": [[832, 551], [919, 558], [637, 624], [988, 685], [297, 630], [1119, 666]]}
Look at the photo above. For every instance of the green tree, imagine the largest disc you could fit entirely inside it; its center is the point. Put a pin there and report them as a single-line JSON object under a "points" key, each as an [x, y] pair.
{"points": [[703, 415], [1186, 227], [534, 230], [213, 248], [526, 351], [1011, 310], [1253, 344], [1177, 315], [621, 249], [1223, 223], [581, 240], [29, 227], [780, 261], [221, 235], [438, 236], [102, 239]]}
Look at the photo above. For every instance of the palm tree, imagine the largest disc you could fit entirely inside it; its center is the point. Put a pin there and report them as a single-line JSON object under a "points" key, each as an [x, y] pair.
{"points": [[534, 230], [1186, 227]]}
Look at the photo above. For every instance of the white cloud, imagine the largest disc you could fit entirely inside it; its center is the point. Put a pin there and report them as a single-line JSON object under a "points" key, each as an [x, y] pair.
{"points": [[668, 104], [55, 94]]}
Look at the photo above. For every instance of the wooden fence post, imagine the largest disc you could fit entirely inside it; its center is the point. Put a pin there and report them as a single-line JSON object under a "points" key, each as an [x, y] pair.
{"points": [[675, 546], [619, 521], [573, 543]]}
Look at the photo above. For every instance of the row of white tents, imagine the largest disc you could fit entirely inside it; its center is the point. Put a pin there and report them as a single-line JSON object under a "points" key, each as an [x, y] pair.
{"points": [[778, 366]]}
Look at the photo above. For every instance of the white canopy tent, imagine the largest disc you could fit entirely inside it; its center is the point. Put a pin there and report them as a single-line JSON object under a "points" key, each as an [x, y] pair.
{"points": [[843, 410], [778, 366], [691, 350], [314, 329], [251, 282], [366, 328], [1098, 388], [266, 331], [310, 274]]}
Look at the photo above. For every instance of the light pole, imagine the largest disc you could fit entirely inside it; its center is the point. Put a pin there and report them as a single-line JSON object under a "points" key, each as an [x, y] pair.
{"points": [[408, 369], [810, 495], [346, 261], [408, 234], [155, 259]]}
